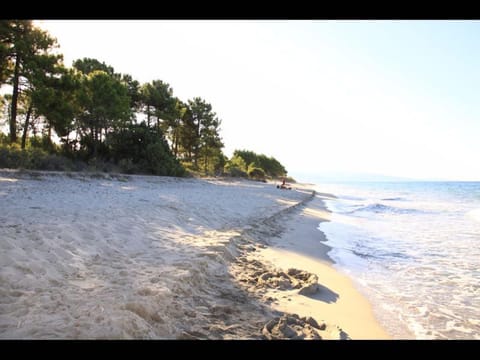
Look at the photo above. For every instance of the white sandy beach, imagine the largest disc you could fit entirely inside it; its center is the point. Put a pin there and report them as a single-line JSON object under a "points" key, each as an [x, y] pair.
{"points": [[122, 257]]}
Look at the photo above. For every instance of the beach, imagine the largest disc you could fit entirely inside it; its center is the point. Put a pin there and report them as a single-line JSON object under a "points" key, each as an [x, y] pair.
{"points": [[99, 256]]}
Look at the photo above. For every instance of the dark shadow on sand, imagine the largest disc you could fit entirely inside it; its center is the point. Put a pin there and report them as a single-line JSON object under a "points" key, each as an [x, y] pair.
{"points": [[324, 294]]}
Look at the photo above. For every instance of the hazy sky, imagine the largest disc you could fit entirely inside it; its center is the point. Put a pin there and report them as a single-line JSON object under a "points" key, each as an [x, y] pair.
{"points": [[398, 98]]}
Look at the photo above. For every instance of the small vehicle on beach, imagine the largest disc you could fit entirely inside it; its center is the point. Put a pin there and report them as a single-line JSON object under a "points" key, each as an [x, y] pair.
{"points": [[284, 185]]}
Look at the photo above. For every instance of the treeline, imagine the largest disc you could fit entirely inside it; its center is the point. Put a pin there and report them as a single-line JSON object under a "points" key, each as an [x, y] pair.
{"points": [[246, 163], [103, 119]]}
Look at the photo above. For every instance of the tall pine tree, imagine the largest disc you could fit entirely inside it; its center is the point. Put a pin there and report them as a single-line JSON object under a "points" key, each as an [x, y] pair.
{"points": [[25, 56]]}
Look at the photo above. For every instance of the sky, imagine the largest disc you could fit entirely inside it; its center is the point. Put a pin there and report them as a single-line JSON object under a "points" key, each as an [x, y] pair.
{"points": [[397, 98]]}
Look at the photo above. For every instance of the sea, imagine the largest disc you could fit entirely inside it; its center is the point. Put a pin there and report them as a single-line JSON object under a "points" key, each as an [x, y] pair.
{"points": [[413, 249]]}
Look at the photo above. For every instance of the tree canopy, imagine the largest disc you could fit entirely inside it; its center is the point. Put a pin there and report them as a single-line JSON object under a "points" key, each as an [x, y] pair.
{"points": [[27, 61], [92, 114], [271, 166]]}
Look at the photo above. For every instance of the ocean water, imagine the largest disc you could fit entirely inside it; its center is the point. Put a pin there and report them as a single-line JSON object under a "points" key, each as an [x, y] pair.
{"points": [[413, 248]]}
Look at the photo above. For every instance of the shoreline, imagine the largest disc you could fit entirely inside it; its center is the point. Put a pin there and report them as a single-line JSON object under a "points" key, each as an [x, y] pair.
{"points": [[165, 250], [301, 246]]}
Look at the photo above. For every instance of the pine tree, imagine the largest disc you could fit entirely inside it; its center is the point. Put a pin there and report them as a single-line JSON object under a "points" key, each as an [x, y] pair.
{"points": [[25, 58]]}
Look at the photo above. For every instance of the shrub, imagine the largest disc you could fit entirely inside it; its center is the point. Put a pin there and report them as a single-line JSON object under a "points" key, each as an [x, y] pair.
{"points": [[270, 165], [4, 139], [13, 157], [235, 162], [236, 167], [41, 142], [141, 149], [237, 172], [127, 166], [256, 173]]}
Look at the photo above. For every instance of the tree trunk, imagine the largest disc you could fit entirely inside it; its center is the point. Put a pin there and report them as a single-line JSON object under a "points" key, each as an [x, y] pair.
{"points": [[175, 144], [25, 130], [205, 166], [176, 137], [13, 117], [94, 141]]}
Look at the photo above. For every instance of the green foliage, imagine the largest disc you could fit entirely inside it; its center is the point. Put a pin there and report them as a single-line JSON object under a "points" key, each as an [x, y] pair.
{"points": [[188, 139], [93, 111], [6, 45], [127, 166], [237, 172], [207, 144], [89, 65], [236, 163], [220, 163], [248, 157], [139, 148], [159, 103], [190, 169], [43, 143], [97, 165], [13, 157], [133, 89], [213, 161], [159, 160], [236, 167], [104, 108], [26, 62], [57, 101], [4, 139], [256, 173], [270, 165]]}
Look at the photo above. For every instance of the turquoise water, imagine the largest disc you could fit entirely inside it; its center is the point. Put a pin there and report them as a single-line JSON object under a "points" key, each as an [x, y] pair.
{"points": [[413, 248]]}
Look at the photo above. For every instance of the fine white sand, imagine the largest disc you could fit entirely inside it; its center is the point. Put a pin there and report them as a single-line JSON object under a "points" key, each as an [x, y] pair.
{"points": [[99, 256]]}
